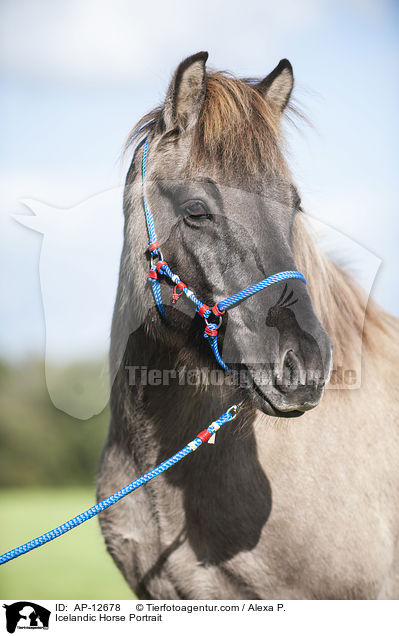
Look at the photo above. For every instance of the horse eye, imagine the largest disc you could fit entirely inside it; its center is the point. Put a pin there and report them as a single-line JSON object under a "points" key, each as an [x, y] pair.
{"points": [[196, 209]]}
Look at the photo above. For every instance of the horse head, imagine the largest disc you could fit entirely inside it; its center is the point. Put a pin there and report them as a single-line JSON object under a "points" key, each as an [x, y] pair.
{"points": [[224, 204]]}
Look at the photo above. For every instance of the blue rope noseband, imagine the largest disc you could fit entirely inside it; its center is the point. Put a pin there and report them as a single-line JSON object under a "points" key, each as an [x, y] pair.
{"points": [[212, 315]]}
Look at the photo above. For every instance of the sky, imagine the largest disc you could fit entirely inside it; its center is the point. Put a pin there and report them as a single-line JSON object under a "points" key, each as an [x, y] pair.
{"points": [[75, 76]]}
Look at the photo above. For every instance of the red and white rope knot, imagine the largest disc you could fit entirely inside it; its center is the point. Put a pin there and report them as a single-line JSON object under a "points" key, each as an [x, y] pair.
{"points": [[176, 295]]}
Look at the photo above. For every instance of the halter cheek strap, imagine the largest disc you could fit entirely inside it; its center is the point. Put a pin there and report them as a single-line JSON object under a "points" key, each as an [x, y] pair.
{"points": [[213, 316]]}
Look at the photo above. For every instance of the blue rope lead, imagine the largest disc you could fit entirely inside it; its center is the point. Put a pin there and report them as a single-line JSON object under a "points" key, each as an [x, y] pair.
{"points": [[213, 341], [202, 437]]}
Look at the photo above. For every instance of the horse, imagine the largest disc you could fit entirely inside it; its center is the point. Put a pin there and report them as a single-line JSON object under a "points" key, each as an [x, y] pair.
{"points": [[298, 498]]}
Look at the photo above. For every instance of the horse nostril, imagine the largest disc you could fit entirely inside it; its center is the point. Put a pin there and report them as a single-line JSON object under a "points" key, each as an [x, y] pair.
{"points": [[291, 372]]}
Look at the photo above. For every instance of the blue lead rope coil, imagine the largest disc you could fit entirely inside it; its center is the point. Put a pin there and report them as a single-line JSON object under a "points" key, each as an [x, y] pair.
{"points": [[202, 437]]}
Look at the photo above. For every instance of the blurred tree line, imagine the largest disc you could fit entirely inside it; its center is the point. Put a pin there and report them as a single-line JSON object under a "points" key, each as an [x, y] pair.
{"points": [[40, 445]]}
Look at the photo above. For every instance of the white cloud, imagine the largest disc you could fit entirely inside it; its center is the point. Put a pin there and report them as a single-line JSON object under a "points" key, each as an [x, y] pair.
{"points": [[115, 40]]}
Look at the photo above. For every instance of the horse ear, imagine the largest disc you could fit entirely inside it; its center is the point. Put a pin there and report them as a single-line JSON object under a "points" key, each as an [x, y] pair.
{"points": [[278, 85], [186, 93]]}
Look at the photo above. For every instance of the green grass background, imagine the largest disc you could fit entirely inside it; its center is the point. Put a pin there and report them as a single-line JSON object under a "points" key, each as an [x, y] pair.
{"points": [[75, 566], [48, 466]]}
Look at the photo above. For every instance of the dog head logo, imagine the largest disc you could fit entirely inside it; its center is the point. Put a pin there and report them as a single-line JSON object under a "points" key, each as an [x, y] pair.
{"points": [[26, 615]]}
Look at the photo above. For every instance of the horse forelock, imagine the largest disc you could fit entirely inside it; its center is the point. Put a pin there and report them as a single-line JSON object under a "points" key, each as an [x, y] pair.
{"points": [[237, 130]]}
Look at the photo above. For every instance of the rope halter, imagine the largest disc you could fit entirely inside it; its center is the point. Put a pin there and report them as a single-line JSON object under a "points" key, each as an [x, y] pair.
{"points": [[213, 316]]}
